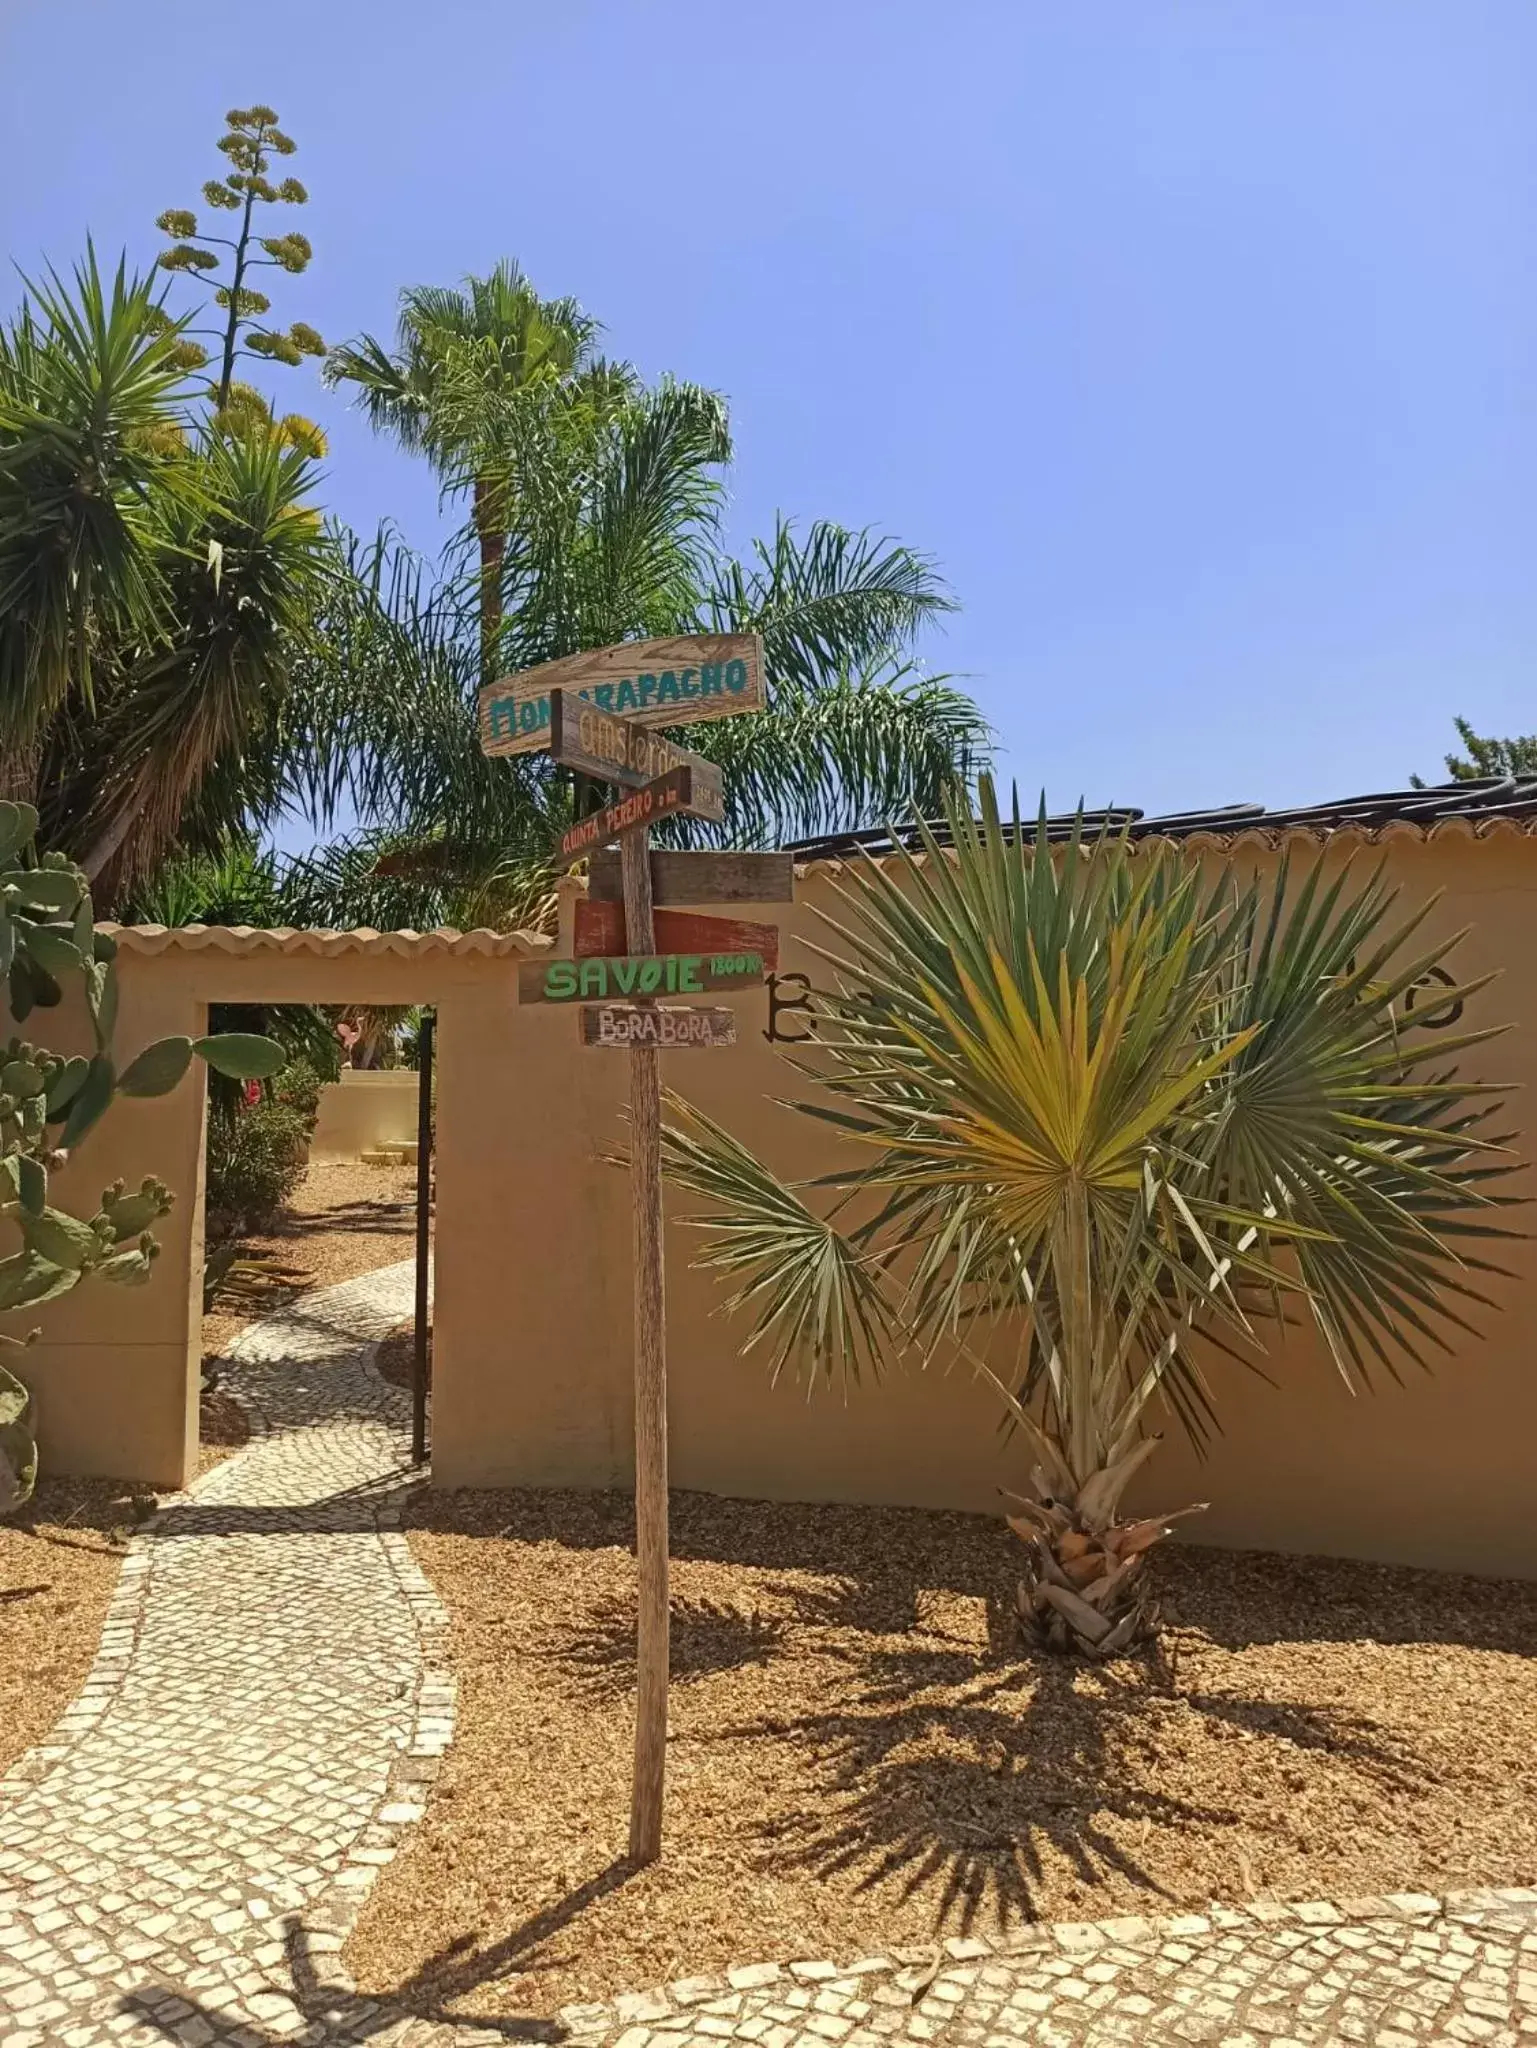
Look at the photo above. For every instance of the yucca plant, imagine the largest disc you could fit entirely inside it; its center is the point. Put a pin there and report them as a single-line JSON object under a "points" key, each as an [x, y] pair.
{"points": [[1107, 1110]]}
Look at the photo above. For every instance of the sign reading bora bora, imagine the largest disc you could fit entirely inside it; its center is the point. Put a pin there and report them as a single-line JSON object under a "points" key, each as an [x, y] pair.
{"points": [[652, 974]]}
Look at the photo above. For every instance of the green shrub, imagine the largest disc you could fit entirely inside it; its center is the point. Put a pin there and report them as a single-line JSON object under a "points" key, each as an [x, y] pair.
{"points": [[257, 1151]]}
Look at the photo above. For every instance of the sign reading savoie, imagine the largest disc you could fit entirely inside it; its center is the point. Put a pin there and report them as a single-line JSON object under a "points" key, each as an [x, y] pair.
{"points": [[686, 680], [635, 974]]}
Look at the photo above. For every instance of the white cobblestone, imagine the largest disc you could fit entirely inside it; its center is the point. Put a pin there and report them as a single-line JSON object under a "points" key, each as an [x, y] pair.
{"points": [[267, 1660]]}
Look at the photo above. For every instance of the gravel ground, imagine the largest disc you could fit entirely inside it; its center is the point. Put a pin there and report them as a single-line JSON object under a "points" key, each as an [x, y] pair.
{"points": [[59, 1563], [859, 1755]]}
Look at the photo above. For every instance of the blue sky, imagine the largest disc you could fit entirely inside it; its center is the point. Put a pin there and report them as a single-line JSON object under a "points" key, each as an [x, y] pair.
{"points": [[1194, 341]]}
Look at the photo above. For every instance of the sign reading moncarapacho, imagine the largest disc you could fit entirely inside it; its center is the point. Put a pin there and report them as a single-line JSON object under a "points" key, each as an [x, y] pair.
{"points": [[592, 711], [686, 680], [642, 974], [656, 1026]]}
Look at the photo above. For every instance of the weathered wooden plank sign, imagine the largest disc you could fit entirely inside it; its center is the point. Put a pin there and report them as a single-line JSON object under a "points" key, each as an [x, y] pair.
{"points": [[619, 750], [671, 792], [686, 680], [599, 929], [678, 878], [650, 974], [656, 1026]]}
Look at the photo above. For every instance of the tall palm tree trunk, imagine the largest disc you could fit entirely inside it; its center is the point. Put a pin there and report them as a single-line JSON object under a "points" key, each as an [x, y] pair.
{"points": [[491, 533]]}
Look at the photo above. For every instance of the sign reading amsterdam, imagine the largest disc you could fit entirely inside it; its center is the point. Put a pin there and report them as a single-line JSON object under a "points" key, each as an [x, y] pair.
{"points": [[637, 1024], [641, 974], [619, 750], [671, 792], [686, 680]]}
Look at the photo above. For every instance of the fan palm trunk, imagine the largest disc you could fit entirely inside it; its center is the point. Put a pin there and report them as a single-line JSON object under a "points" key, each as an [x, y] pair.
{"points": [[1085, 1587]]}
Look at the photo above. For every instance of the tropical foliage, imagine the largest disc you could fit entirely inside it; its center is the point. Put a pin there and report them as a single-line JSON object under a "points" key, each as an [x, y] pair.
{"points": [[158, 580], [1110, 1116], [1487, 758], [188, 654], [594, 508]]}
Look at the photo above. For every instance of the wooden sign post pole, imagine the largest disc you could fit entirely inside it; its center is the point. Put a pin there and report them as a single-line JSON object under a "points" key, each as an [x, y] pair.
{"points": [[651, 1624]]}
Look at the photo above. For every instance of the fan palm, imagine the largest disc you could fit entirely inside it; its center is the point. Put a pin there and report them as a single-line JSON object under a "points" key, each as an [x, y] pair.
{"points": [[1107, 1110]]}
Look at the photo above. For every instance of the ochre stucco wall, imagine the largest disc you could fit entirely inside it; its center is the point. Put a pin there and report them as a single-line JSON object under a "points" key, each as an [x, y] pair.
{"points": [[532, 1340], [367, 1108]]}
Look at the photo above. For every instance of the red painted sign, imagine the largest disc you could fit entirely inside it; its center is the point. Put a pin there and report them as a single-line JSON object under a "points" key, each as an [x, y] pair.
{"points": [[600, 931]]}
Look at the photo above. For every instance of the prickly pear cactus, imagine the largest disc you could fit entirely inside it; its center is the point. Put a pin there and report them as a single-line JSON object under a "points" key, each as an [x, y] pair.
{"points": [[49, 1102]]}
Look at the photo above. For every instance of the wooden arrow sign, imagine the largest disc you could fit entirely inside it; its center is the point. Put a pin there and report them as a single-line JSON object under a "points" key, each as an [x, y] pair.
{"points": [[641, 974], [671, 792], [622, 750], [678, 878], [686, 680], [600, 929], [656, 1025]]}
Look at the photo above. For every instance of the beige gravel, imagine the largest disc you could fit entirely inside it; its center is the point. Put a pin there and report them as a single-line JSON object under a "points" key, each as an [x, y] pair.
{"points": [[59, 1561], [860, 1756]]}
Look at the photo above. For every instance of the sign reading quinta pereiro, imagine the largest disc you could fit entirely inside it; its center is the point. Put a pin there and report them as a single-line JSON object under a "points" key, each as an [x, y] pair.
{"points": [[687, 680], [671, 792]]}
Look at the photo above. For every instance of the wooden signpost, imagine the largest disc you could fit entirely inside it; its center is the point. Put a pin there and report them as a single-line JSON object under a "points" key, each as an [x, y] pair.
{"points": [[592, 711], [679, 878], [617, 749]]}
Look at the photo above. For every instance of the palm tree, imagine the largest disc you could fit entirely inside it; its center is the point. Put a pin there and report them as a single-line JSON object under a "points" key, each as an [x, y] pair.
{"points": [[90, 445], [468, 365], [1110, 1110], [157, 580]]}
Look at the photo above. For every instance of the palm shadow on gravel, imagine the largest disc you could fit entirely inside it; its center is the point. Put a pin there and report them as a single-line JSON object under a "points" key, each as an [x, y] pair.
{"points": [[705, 1637], [933, 1772]]}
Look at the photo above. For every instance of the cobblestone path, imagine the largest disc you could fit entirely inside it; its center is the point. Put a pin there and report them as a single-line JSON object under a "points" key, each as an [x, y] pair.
{"points": [[182, 1861], [257, 1724]]}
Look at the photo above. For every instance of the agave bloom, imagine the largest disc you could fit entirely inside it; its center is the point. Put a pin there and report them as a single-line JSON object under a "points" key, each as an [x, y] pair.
{"points": [[1110, 1108]]}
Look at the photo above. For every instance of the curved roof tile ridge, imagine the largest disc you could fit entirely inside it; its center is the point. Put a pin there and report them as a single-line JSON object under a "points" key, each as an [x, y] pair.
{"points": [[245, 938]]}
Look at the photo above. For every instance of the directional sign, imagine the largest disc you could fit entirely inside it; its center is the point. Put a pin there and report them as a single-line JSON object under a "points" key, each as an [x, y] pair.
{"points": [[671, 792], [647, 1024], [640, 974], [600, 929], [678, 878], [620, 750], [683, 681]]}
